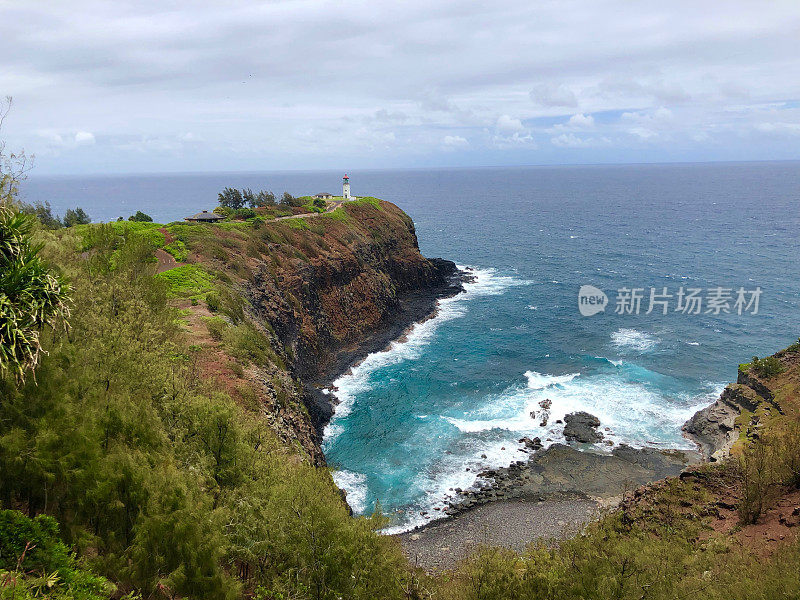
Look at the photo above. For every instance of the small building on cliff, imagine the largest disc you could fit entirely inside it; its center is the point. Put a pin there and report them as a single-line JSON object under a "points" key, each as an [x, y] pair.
{"points": [[204, 217], [323, 196]]}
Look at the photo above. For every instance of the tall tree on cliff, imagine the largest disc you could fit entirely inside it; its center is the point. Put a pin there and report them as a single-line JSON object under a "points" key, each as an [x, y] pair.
{"points": [[32, 296], [231, 198]]}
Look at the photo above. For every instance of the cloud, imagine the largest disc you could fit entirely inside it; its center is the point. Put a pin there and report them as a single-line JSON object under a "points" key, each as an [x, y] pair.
{"points": [[553, 95], [570, 140], [291, 84], [454, 142], [581, 121], [84, 138], [658, 90], [508, 126], [790, 129]]}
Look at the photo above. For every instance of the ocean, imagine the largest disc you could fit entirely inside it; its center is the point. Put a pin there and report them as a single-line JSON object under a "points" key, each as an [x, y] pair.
{"points": [[455, 395]]}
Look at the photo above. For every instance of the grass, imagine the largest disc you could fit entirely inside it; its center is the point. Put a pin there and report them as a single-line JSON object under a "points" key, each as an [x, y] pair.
{"points": [[298, 223], [178, 250], [188, 281], [340, 214], [376, 202], [150, 231]]}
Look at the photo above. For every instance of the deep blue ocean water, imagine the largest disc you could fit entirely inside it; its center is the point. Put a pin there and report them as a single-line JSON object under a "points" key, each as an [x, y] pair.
{"points": [[462, 386]]}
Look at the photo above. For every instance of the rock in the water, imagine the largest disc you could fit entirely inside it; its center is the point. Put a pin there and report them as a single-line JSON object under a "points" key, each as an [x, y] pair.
{"points": [[531, 444], [582, 427]]}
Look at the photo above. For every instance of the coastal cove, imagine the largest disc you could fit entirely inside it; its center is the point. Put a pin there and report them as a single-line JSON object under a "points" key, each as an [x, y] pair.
{"points": [[462, 384], [454, 397]]}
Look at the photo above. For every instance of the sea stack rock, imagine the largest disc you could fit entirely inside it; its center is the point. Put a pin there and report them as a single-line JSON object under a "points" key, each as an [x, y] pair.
{"points": [[582, 427]]}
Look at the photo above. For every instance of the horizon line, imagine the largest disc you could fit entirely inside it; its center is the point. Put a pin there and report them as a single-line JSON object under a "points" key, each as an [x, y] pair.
{"points": [[33, 175]]}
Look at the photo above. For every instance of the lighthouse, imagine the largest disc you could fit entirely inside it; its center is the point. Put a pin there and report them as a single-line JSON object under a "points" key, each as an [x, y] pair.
{"points": [[346, 187]]}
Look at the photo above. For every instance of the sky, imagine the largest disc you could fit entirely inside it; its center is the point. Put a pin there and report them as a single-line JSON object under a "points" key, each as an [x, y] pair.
{"points": [[172, 86]]}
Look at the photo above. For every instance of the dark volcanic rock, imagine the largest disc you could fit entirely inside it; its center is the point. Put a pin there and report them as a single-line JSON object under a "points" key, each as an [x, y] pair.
{"points": [[531, 444], [582, 427]]}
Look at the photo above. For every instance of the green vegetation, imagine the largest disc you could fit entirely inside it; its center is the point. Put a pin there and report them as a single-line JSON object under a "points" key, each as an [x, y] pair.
{"points": [[44, 213], [160, 481], [288, 200], [376, 202], [32, 296], [187, 281], [299, 223], [234, 199], [339, 214], [76, 217], [141, 217], [764, 367], [134, 470], [35, 563], [178, 250]]}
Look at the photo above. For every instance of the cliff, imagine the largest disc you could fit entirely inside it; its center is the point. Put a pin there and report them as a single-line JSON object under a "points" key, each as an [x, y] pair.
{"points": [[322, 291], [763, 392]]}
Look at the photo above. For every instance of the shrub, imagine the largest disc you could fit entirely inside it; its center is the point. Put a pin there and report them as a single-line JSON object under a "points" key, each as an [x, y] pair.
{"points": [[298, 223], [44, 213], [766, 367], [212, 301], [187, 281], [76, 217], [757, 480], [178, 250], [35, 559], [216, 327], [244, 213], [141, 217]]}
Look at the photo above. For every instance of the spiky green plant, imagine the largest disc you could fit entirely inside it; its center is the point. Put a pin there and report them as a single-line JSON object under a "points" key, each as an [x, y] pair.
{"points": [[31, 295]]}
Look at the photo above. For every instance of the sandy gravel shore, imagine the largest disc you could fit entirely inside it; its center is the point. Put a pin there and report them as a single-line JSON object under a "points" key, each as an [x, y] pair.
{"points": [[508, 523]]}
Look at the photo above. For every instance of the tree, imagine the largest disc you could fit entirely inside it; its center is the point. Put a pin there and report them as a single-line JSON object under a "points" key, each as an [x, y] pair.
{"points": [[249, 198], [44, 213], [76, 217], [288, 200], [265, 198], [231, 198], [140, 217], [31, 295]]}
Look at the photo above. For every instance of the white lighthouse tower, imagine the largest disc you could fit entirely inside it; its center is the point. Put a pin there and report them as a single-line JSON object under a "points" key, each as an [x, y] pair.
{"points": [[346, 187]]}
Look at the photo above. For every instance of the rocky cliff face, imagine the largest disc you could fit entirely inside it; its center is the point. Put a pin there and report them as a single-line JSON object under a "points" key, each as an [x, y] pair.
{"points": [[358, 290], [326, 290], [743, 407]]}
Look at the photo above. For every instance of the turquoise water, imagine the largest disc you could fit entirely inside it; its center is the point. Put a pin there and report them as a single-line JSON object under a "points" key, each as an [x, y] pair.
{"points": [[413, 419]]}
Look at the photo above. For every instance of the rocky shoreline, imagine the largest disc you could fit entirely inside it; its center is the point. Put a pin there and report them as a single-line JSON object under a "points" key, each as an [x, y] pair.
{"points": [[413, 307], [563, 471], [581, 470]]}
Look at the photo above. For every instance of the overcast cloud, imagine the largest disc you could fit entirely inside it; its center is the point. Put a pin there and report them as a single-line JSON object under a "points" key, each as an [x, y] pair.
{"points": [[186, 86]]}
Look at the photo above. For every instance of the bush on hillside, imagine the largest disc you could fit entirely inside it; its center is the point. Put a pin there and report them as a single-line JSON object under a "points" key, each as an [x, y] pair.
{"points": [[141, 217], [766, 367]]}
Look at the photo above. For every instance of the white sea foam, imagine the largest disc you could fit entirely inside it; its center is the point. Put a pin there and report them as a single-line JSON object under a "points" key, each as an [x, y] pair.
{"points": [[355, 484], [633, 339], [485, 282], [538, 381], [450, 474], [636, 412]]}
